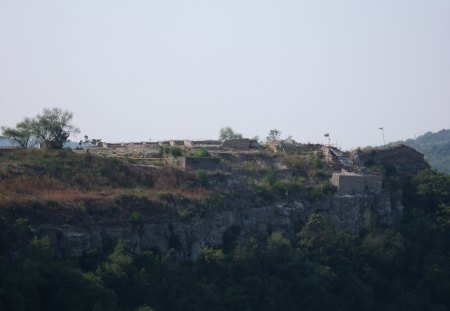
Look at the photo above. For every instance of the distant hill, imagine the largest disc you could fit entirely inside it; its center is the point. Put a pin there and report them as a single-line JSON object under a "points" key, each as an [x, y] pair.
{"points": [[435, 147], [6, 142]]}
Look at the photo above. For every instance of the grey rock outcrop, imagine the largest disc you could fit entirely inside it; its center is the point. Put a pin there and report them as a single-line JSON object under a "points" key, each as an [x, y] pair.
{"points": [[353, 213]]}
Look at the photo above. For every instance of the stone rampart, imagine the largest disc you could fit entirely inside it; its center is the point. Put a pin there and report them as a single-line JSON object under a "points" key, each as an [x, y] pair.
{"points": [[201, 143], [356, 183], [194, 163], [279, 146], [152, 144], [165, 143], [174, 143], [112, 145], [240, 144]]}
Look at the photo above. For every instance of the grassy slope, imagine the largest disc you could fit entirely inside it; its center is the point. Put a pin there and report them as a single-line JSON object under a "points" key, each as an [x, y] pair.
{"points": [[40, 181], [73, 183]]}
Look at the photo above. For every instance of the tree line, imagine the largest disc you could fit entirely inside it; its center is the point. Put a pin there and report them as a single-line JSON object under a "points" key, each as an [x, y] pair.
{"points": [[52, 128]]}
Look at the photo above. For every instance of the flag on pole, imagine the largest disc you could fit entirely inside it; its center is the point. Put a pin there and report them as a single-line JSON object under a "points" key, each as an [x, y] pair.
{"points": [[327, 135], [381, 128]]}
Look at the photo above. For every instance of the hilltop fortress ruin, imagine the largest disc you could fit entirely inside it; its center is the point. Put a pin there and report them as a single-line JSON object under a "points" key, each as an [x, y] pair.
{"points": [[350, 172], [214, 193]]}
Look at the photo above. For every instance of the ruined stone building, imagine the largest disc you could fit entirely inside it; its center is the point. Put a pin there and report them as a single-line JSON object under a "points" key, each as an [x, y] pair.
{"points": [[351, 183]]}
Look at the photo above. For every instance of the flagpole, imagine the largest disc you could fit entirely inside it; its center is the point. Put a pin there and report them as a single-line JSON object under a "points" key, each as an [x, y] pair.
{"points": [[329, 139], [382, 133]]}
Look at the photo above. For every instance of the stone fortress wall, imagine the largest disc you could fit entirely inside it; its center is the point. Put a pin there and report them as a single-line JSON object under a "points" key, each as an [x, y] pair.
{"points": [[240, 144], [351, 183], [277, 146], [194, 163]]}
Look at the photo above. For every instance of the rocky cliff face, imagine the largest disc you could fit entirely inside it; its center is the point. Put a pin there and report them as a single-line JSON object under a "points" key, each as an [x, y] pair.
{"points": [[353, 213]]}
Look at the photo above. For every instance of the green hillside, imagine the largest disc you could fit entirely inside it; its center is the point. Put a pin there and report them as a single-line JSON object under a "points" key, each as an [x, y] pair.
{"points": [[435, 147], [319, 267]]}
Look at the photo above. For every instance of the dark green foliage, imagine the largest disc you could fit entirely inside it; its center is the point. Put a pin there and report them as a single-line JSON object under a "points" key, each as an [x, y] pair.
{"points": [[137, 221], [202, 178], [427, 190], [271, 178], [318, 163], [36, 281], [318, 191], [404, 267], [201, 153], [173, 151], [22, 134], [53, 127], [228, 133], [212, 256], [184, 214]]}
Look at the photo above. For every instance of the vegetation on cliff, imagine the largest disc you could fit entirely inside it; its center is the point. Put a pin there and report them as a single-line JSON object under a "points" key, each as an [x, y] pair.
{"points": [[396, 268]]}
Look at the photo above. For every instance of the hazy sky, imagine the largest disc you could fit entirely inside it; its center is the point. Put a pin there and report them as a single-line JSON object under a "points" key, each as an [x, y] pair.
{"points": [[134, 70]]}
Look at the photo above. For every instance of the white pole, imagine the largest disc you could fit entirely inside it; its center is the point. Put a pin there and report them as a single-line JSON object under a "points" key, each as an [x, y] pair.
{"points": [[382, 133]]}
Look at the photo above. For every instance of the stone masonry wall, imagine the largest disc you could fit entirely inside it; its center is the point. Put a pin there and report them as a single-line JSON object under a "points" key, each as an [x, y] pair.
{"points": [[194, 163], [240, 144], [201, 143], [355, 183]]}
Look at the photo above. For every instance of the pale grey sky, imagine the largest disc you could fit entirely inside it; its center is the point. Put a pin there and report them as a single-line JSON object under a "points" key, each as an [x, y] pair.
{"points": [[134, 70]]}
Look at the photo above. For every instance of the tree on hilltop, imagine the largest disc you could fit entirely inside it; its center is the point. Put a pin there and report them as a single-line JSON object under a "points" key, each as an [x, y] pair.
{"points": [[274, 135], [22, 133], [228, 133], [54, 127], [89, 142]]}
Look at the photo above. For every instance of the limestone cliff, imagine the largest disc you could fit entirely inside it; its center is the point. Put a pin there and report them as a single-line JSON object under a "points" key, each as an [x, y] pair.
{"points": [[353, 213]]}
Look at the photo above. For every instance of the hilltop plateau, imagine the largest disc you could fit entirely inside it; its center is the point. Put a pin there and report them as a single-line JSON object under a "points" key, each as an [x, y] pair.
{"points": [[197, 194], [207, 221]]}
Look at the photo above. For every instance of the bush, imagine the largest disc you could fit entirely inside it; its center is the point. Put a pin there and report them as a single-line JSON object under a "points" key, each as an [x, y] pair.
{"points": [[318, 164], [276, 242], [137, 221], [271, 179], [212, 256], [202, 153], [300, 164], [173, 151], [184, 214], [202, 178], [314, 192]]}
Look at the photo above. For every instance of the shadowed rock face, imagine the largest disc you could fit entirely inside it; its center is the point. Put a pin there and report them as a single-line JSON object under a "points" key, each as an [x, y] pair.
{"points": [[353, 213], [404, 159]]}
